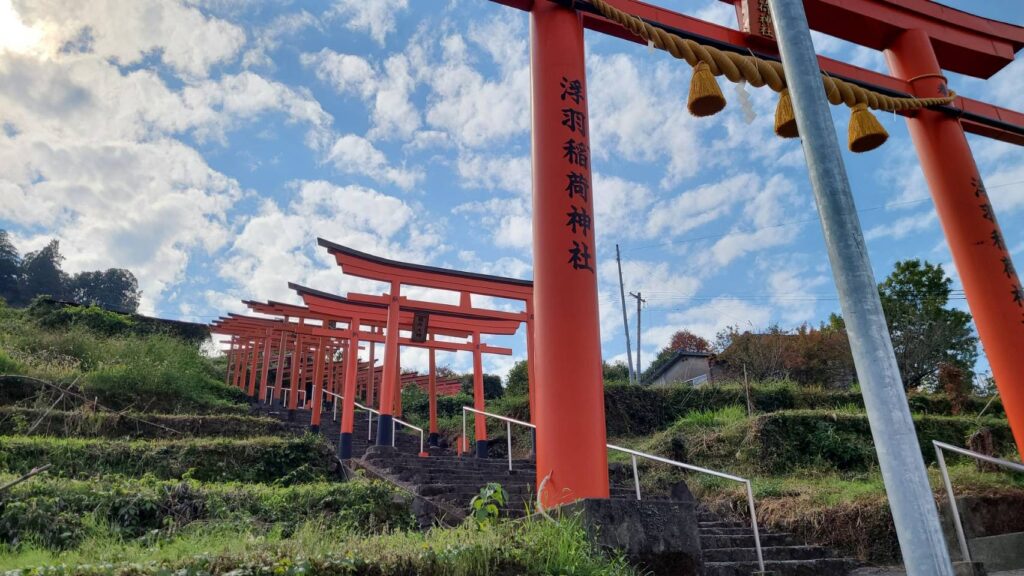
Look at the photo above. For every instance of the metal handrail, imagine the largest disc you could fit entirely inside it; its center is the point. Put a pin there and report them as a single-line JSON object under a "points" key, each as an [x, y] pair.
{"points": [[636, 475], [369, 425], [508, 425], [750, 491], [939, 447]]}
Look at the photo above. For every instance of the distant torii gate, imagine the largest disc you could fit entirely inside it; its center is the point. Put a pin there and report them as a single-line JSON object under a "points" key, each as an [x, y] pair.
{"points": [[919, 39], [360, 309]]}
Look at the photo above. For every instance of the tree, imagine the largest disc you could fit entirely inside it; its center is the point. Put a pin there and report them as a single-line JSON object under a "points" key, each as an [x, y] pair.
{"points": [[10, 270], [925, 334], [114, 289], [518, 381], [617, 373], [686, 340], [42, 272], [807, 355], [492, 385], [681, 340]]}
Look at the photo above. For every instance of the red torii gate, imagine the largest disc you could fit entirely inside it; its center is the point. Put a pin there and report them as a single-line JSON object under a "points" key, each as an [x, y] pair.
{"points": [[466, 284], [362, 309], [306, 356], [919, 38]]}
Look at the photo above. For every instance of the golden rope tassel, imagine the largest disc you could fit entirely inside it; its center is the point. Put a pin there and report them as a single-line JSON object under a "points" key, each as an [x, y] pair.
{"points": [[866, 132], [785, 120], [705, 96]]}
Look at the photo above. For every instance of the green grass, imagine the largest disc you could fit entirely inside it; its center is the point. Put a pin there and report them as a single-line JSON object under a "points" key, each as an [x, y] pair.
{"points": [[58, 513], [263, 459], [528, 548], [84, 423], [153, 372]]}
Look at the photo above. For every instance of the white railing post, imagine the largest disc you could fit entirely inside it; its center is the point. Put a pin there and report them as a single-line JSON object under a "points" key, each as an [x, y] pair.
{"points": [[636, 476], [960, 538], [465, 442], [369, 426], [508, 427], [953, 508], [753, 525], [394, 441]]}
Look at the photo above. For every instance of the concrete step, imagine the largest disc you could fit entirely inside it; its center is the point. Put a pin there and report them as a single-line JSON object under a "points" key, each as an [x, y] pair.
{"points": [[708, 542], [819, 567], [768, 552]]}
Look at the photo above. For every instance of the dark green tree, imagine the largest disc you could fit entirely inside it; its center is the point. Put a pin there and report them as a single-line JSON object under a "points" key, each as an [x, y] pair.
{"points": [[113, 289], [10, 270], [42, 274], [925, 333], [492, 385], [518, 381], [617, 373]]}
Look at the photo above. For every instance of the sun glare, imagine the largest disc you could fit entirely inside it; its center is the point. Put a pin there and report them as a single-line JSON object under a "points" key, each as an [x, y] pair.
{"points": [[14, 35]]}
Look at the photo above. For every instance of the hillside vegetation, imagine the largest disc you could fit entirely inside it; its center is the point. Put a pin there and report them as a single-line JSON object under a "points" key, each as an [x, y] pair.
{"points": [[157, 468]]}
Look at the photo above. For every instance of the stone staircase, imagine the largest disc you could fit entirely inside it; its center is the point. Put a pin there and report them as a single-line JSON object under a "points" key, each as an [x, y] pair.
{"points": [[728, 550], [443, 485]]}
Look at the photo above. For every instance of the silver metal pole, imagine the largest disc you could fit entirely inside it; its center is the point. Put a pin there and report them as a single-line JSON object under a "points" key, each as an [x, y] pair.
{"points": [[625, 320], [899, 455], [394, 440], [369, 425], [465, 442], [965, 551]]}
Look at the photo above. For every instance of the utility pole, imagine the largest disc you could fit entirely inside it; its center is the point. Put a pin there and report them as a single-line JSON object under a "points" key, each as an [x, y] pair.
{"points": [[639, 301], [899, 454], [625, 320]]}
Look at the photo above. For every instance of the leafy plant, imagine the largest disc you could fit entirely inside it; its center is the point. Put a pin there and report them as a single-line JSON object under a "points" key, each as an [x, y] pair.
{"points": [[485, 507]]}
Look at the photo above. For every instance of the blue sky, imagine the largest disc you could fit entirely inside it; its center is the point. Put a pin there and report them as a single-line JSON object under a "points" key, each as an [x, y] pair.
{"points": [[205, 144]]}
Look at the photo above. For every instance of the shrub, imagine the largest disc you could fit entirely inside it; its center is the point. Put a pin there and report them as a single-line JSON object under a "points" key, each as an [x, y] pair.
{"points": [[253, 460], [163, 374], [51, 512], [787, 441], [317, 549], [8, 365], [83, 423]]}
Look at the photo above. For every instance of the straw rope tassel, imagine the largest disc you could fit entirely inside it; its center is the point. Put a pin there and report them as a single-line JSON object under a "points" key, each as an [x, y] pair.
{"points": [[785, 120], [866, 132], [705, 95]]}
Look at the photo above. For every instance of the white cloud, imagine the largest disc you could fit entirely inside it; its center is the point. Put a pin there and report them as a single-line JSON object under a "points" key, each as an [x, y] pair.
{"points": [[352, 154], [387, 92], [490, 172], [376, 17], [710, 318], [702, 205], [660, 282], [640, 120], [619, 207], [126, 32], [768, 211], [903, 227], [508, 219], [104, 205], [268, 38], [277, 245]]}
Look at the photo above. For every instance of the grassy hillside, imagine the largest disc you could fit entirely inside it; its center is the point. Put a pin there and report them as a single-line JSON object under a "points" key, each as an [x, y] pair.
{"points": [[110, 365], [156, 468]]}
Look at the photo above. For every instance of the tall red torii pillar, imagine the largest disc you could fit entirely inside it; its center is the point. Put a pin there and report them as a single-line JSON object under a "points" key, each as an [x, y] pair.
{"points": [[572, 458]]}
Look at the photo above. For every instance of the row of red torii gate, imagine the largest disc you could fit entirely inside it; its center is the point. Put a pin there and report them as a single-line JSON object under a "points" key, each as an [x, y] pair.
{"points": [[303, 356]]}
